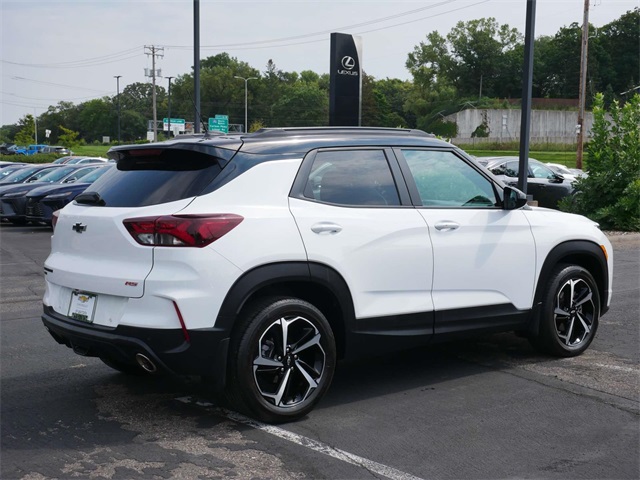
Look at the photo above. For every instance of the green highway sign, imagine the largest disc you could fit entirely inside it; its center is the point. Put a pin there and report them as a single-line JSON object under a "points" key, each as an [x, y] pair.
{"points": [[177, 124], [220, 123]]}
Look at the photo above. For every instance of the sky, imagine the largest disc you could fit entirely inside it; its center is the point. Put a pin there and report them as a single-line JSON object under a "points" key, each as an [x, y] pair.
{"points": [[71, 50]]}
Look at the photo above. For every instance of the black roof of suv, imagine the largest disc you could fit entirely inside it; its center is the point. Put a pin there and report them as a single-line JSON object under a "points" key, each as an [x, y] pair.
{"points": [[292, 140]]}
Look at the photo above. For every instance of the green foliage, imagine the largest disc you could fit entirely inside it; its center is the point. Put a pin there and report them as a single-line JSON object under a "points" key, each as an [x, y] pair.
{"points": [[482, 130], [68, 137], [256, 125], [26, 134], [610, 194]]}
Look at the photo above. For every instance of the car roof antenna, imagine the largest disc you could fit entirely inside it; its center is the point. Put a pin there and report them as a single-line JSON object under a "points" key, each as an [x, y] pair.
{"points": [[204, 124]]}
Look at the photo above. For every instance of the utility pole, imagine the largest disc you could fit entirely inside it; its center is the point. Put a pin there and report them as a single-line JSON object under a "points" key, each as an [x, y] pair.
{"points": [[582, 93], [527, 86], [169, 118], [117, 77], [154, 52], [196, 65]]}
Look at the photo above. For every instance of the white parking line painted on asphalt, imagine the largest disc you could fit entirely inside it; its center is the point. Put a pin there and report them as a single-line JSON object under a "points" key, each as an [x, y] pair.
{"points": [[370, 465]]}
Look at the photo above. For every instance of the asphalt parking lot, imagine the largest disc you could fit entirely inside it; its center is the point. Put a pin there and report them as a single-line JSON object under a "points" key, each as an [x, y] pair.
{"points": [[490, 407]]}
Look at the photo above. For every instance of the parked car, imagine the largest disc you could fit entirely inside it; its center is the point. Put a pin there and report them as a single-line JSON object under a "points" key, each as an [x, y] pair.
{"points": [[7, 148], [13, 199], [4, 165], [36, 148], [57, 149], [25, 174], [81, 160], [43, 201], [7, 170], [567, 173], [12, 149], [543, 184], [257, 261], [68, 159]]}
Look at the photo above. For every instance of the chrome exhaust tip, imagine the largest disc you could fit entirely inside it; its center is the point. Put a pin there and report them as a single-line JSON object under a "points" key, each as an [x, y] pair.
{"points": [[145, 363]]}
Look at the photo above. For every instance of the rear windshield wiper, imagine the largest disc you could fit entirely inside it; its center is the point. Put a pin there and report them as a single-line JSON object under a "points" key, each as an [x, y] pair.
{"points": [[90, 198]]}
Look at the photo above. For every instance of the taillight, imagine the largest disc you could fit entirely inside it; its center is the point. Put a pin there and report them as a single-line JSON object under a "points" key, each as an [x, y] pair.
{"points": [[54, 219], [181, 230]]}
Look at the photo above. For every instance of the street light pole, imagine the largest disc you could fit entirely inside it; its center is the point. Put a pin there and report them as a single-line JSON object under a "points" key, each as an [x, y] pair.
{"points": [[117, 77], [169, 119], [246, 80]]}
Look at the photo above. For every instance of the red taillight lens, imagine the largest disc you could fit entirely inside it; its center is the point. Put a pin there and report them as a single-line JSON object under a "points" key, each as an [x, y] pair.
{"points": [[54, 218], [181, 230]]}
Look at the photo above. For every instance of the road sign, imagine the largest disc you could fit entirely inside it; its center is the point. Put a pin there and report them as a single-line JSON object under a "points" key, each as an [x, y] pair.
{"points": [[177, 124], [220, 123]]}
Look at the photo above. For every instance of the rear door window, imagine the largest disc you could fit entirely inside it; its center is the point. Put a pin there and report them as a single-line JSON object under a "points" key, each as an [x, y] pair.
{"points": [[155, 177], [352, 177]]}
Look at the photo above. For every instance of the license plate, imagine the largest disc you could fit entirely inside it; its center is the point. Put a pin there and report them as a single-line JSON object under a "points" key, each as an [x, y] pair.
{"points": [[83, 306]]}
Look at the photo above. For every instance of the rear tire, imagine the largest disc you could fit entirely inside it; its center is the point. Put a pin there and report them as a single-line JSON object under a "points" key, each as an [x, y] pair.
{"points": [[570, 312], [283, 360]]}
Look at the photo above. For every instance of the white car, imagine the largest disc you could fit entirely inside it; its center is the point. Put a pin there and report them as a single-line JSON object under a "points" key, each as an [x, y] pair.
{"points": [[570, 174], [258, 261]]}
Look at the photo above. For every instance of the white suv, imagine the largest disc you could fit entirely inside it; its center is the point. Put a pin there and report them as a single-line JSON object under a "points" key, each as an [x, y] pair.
{"points": [[258, 261]]}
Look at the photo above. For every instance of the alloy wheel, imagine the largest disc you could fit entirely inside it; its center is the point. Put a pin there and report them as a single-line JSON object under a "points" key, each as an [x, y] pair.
{"points": [[574, 312], [290, 361]]}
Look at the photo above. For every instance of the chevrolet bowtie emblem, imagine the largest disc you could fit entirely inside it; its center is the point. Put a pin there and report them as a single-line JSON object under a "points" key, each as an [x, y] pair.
{"points": [[78, 227]]}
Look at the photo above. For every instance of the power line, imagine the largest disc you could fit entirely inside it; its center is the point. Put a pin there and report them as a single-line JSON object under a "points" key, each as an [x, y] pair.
{"points": [[358, 33], [55, 99], [323, 32], [55, 84], [88, 62]]}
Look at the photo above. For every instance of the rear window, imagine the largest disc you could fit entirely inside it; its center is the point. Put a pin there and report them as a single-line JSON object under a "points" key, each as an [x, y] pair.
{"points": [[151, 179]]}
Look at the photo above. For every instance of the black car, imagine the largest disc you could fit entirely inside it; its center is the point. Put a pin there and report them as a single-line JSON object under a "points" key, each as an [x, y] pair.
{"points": [[543, 184], [13, 200], [43, 201]]}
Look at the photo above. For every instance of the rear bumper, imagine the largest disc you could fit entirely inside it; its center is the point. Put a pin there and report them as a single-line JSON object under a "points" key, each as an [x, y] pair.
{"points": [[204, 355]]}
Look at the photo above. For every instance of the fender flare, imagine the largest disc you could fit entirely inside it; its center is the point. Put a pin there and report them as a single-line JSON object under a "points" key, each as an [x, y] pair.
{"points": [[564, 253], [273, 274]]}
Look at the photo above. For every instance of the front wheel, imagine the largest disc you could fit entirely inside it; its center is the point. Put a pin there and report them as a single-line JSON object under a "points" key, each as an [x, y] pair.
{"points": [[283, 361], [570, 312]]}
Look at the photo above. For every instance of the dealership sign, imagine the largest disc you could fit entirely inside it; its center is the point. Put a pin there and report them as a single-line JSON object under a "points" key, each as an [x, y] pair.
{"points": [[345, 76]]}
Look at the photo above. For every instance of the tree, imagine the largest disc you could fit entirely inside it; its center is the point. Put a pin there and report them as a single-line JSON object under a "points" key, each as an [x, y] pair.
{"points": [[302, 105], [98, 119], [610, 194], [619, 40], [26, 134], [474, 58], [68, 137]]}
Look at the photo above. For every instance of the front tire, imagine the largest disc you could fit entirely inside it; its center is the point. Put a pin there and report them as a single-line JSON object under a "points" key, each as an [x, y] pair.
{"points": [[283, 360], [570, 312]]}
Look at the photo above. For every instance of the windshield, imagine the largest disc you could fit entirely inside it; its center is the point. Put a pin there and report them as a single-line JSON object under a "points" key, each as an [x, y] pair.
{"points": [[20, 175], [57, 174], [93, 176]]}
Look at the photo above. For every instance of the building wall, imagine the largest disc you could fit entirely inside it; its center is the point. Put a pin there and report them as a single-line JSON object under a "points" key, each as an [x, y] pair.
{"points": [[552, 126]]}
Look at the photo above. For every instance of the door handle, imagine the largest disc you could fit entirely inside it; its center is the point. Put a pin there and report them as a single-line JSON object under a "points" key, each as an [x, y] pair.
{"points": [[447, 226], [326, 228]]}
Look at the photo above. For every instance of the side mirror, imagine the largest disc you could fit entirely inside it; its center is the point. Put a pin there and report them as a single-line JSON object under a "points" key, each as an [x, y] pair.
{"points": [[557, 178], [513, 199]]}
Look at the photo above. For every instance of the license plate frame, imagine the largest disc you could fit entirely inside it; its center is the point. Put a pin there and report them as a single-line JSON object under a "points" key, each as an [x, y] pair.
{"points": [[82, 306]]}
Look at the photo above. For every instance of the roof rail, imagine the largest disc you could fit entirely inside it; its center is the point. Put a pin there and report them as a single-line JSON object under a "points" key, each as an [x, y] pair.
{"points": [[289, 131]]}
